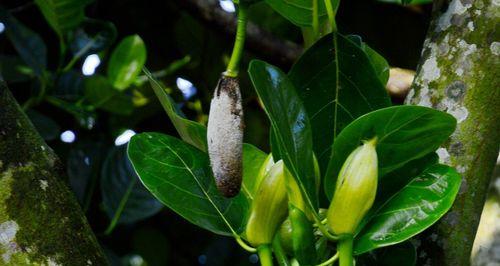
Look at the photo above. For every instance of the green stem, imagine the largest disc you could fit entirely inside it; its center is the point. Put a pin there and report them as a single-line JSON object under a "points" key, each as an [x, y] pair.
{"points": [[315, 17], [62, 51], [344, 248], [78, 55], [330, 11], [244, 245], [121, 206], [330, 261], [239, 43], [265, 255]]}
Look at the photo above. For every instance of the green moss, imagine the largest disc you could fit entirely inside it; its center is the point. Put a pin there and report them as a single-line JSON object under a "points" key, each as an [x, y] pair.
{"points": [[51, 229]]}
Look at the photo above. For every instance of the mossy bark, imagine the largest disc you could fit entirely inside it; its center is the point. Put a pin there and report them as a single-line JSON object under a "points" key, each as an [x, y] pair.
{"points": [[459, 73], [40, 220]]}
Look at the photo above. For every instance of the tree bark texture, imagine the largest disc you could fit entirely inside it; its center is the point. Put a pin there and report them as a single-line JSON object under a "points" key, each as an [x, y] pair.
{"points": [[459, 73], [40, 220]]}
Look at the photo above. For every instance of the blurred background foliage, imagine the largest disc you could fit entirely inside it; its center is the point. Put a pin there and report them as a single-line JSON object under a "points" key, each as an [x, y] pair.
{"points": [[79, 79]]}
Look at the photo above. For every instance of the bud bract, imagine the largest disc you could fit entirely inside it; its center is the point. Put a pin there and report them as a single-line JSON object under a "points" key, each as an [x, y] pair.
{"points": [[355, 189], [269, 207]]}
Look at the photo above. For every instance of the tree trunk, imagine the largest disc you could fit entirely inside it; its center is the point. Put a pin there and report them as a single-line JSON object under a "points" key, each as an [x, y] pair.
{"points": [[40, 220], [459, 74]]}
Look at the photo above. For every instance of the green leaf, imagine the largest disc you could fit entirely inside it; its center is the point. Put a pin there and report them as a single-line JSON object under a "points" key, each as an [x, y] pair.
{"points": [[62, 15], [299, 12], [404, 133], [191, 132], [124, 198], [413, 209], [126, 62], [302, 237], [179, 175], [253, 158], [396, 255], [290, 124], [100, 93], [331, 107], [27, 43], [394, 181], [378, 62], [46, 126]]}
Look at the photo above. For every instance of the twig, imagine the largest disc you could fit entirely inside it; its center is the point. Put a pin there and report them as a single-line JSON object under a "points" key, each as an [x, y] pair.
{"points": [[258, 40]]}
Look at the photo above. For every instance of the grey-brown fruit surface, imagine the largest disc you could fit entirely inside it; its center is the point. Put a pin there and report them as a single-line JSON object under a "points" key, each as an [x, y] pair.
{"points": [[225, 136]]}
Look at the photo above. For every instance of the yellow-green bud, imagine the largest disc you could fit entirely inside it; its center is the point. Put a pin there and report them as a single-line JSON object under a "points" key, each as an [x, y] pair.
{"points": [[355, 189], [269, 207], [264, 169]]}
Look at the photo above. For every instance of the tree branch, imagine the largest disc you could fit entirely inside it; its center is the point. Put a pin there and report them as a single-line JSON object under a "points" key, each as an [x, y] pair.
{"points": [[258, 41], [40, 220], [458, 73]]}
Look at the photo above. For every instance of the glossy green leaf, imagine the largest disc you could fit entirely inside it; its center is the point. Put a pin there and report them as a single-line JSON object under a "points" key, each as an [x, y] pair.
{"points": [[179, 175], [253, 158], [46, 126], [402, 254], [27, 43], [100, 94], [378, 62], [302, 237], [62, 15], [331, 107], [290, 124], [394, 181], [191, 132], [413, 209], [299, 12], [126, 62], [124, 198], [404, 133]]}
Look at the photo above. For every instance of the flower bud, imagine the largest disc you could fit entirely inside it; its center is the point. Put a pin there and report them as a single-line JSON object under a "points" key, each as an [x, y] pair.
{"points": [[225, 136], [264, 169], [355, 189], [269, 207]]}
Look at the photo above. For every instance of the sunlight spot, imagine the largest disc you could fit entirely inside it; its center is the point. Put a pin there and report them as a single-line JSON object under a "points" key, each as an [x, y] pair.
{"points": [[254, 259], [202, 259], [124, 137], [186, 87], [68, 136], [136, 260], [90, 64], [227, 5]]}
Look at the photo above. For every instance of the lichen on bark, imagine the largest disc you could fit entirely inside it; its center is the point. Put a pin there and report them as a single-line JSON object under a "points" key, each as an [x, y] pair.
{"points": [[40, 221], [459, 74]]}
